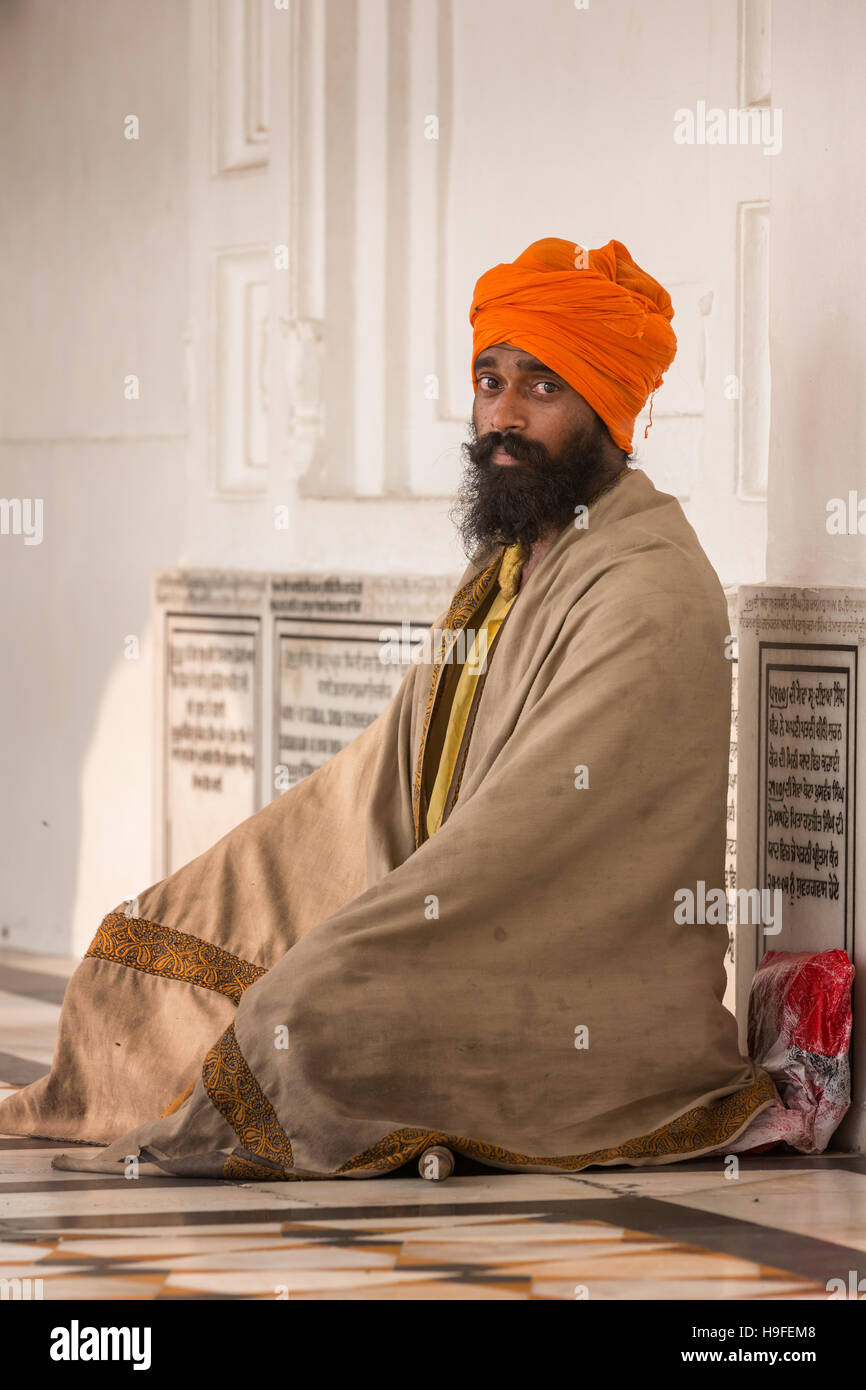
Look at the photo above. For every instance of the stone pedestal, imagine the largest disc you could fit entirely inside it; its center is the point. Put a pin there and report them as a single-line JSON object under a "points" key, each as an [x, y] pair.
{"points": [[800, 776]]}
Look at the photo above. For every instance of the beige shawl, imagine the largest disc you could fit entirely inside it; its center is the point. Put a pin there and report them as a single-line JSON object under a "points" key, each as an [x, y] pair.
{"points": [[343, 991]]}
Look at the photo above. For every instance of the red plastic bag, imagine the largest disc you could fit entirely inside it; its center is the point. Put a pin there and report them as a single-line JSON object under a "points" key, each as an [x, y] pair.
{"points": [[800, 1032]]}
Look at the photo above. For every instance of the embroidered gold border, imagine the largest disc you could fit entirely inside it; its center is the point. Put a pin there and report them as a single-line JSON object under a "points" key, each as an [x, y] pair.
{"points": [[175, 955], [234, 1091], [245, 1107], [238, 1168], [698, 1128]]}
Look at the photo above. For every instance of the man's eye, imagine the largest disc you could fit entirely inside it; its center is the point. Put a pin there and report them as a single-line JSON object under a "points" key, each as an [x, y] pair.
{"points": [[483, 379], [552, 384]]}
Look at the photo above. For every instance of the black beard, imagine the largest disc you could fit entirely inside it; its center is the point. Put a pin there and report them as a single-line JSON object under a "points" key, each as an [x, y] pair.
{"points": [[500, 503]]}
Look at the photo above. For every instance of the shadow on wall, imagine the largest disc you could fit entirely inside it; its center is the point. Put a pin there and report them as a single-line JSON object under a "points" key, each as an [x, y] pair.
{"points": [[75, 822]]}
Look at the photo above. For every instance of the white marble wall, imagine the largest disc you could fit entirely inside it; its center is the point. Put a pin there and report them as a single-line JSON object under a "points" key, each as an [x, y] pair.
{"points": [[285, 257]]}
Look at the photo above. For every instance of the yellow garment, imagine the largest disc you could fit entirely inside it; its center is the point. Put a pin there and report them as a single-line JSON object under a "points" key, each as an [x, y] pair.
{"points": [[513, 559]]}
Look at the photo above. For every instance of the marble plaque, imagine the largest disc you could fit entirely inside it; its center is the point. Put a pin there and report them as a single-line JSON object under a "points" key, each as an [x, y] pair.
{"points": [[266, 676], [342, 646], [331, 683], [212, 678], [799, 652], [805, 792]]}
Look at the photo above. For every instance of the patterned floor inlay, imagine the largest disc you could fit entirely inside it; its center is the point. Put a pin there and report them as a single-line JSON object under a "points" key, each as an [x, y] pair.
{"points": [[523, 1258]]}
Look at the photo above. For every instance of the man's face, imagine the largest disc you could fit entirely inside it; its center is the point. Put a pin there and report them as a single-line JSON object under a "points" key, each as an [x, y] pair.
{"points": [[536, 448]]}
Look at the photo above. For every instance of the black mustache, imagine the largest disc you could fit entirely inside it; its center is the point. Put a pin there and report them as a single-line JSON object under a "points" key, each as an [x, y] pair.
{"points": [[524, 450]]}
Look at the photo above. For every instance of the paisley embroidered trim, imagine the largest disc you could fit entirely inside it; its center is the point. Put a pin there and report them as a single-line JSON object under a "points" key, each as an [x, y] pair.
{"points": [[697, 1129], [463, 605], [241, 1169], [234, 1091], [175, 955]]}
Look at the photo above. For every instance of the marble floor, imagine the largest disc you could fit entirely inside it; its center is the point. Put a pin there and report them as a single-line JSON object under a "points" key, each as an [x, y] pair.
{"points": [[778, 1231]]}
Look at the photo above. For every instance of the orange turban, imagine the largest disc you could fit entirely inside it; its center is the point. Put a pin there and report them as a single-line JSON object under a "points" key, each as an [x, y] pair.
{"points": [[594, 317]]}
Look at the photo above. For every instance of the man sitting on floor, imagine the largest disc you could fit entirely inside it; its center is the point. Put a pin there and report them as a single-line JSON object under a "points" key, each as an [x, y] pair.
{"points": [[460, 930]]}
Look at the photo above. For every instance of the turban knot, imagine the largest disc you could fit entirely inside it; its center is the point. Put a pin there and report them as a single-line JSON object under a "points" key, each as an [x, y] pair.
{"points": [[593, 317]]}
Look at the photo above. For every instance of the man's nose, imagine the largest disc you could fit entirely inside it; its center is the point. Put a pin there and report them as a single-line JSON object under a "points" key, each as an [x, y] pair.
{"points": [[508, 411]]}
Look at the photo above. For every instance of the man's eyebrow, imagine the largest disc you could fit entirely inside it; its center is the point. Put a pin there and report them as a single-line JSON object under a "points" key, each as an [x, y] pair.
{"points": [[524, 364]]}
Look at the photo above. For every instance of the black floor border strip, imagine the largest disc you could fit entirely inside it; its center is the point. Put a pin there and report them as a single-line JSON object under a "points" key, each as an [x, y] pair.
{"points": [[788, 1251], [35, 1146], [38, 985], [42, 1227], [107, 1183], [21, 1071]]}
